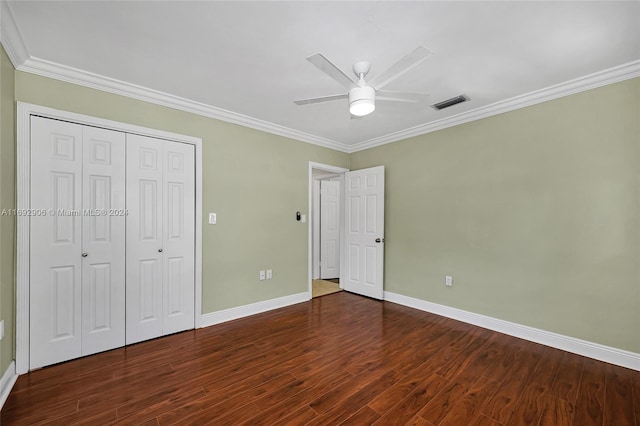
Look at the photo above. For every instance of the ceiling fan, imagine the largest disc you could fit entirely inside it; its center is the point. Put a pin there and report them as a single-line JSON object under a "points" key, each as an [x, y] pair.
{"points": [[362, 95]]}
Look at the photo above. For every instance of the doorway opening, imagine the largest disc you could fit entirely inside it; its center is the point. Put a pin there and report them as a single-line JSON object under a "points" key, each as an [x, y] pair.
{"points": [[326, 212]]}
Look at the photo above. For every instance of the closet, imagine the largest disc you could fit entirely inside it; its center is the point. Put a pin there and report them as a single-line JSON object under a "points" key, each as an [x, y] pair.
{"points": [[111, 239], [160, 237]]}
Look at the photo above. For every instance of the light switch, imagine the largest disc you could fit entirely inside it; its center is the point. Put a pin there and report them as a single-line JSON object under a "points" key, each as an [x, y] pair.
{"points": [[303, 218], [212, 218]]}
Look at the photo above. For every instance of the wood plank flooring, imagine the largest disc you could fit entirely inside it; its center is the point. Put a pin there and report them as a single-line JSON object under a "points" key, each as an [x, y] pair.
{"points": [[338, 359]]}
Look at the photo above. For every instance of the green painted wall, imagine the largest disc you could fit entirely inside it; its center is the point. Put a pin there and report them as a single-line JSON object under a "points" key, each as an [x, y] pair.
{"points": [[253, 180], [7, 201], [535, 213]]}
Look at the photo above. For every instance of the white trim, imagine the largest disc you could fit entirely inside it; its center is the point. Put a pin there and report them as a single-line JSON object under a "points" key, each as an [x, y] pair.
{"points": [[22, 61], [10, 36], [106, 84], [333, 169], [23, 189], [581, 84], [198, 240], [6, 382], [83, 78], [566, 343], [230, 314], [23, 172], [315, 226]]}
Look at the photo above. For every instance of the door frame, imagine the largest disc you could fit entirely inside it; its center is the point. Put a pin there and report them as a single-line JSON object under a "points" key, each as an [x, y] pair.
{"points": [[23, 197], [330, 169]]}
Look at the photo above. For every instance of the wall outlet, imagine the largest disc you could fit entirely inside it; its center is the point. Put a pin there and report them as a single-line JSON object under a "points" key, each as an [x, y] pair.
{"points": [[448, 280], [262, 275], [269, 274], [1, 329]]}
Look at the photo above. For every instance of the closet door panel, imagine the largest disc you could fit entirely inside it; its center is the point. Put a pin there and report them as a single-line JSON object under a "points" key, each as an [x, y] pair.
{"points": [[55, 246], [144, 239], [179, 237], [103, 234]]}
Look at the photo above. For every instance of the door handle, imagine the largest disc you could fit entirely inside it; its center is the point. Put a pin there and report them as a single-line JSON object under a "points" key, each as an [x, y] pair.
{"points": [[85, 254], [378, 240], [159, 250]]}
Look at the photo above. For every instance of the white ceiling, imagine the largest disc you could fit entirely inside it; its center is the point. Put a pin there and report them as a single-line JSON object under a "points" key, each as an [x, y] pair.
{"points": [[249, 58]]}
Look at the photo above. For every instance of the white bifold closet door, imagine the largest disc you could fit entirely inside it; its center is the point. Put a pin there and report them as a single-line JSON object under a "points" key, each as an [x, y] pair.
{"points": [[77, 257], [160, 237]]}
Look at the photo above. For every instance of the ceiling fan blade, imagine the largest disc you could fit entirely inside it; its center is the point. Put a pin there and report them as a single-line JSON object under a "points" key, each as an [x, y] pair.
{"points": [[334, 72], [388, 95], [402, 66], [387, 98], [322, 99]]}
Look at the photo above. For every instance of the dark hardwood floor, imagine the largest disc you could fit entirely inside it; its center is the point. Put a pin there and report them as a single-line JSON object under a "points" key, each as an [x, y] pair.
{"points": [[338, 359]]}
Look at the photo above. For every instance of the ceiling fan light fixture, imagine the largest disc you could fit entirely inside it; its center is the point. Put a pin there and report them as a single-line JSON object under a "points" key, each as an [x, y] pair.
{"points": [[362, 100], [362, 107]]}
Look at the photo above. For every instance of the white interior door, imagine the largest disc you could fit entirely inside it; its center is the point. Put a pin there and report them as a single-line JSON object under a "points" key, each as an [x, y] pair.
{"points": [[364, 232], [144, 238], [160, 237], [315, 236], [77, 241], [103, 240], [179, 237], [55, 312], [329, 229]]}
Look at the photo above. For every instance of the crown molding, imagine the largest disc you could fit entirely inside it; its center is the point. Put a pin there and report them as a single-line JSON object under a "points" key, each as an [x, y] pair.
{"points": [[68, 74], [581, 84], [10, 36], [16, 50], [18, 54], [95, 81]]}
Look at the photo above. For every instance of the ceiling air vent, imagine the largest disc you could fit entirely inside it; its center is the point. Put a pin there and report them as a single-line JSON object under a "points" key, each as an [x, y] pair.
{"points": [[450, 102]]}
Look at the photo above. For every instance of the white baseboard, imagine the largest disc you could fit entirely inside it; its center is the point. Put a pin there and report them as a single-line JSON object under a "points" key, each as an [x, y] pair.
{"points": [[252, 309], [570, 344], [6, 383]]}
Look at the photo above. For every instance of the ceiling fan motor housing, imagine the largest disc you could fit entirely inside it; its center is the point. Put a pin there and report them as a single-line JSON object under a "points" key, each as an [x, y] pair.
{"points": [[362, 100], [361, 68]]}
